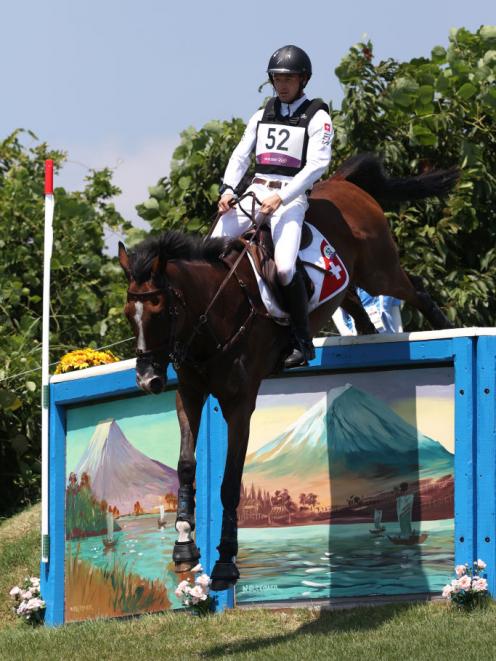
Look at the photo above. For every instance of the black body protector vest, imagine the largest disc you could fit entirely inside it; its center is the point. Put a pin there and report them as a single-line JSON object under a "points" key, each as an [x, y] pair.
{"points": [[281, 146]]}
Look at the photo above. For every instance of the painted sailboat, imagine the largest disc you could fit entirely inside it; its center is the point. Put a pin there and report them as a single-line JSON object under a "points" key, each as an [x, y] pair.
{"points": [[378, 529], [161, 518], [110, 540], [407, 535]]}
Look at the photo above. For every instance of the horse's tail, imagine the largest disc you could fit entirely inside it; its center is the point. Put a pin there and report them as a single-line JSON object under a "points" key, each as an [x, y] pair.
{"points": [[367, 172]]}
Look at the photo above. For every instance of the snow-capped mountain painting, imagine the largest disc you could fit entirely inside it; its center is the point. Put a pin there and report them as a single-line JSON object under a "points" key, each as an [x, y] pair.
{"points": [[121, 474], [348, 434]]}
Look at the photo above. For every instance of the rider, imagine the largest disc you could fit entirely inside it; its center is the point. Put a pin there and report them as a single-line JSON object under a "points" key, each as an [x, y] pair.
{"points": [[292, 139]]}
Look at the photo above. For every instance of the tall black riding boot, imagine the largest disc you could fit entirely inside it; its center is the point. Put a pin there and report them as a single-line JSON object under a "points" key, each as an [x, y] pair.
{"points": [[295, 297]]}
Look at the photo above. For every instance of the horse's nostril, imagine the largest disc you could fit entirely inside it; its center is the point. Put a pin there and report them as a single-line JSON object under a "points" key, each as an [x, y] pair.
{"points": [[156, 385]]}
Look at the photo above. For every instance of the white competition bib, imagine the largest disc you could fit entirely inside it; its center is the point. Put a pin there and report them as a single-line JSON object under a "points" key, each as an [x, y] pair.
{"points": [[280, 145]]}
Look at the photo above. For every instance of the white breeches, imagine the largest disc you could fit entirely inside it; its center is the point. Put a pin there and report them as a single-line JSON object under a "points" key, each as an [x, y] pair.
{"points": [[285, 227]]}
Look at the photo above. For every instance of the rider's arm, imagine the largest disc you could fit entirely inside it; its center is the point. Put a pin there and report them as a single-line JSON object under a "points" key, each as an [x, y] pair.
{"points": [[320, 135], [240, 158]]}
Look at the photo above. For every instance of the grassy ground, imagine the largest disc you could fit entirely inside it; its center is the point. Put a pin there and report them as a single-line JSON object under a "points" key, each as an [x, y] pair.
{"points": [[399, 631]]}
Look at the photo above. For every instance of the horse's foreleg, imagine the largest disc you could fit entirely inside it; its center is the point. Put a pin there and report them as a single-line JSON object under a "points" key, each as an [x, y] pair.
{"points": [[225, 572], [189, 407]]}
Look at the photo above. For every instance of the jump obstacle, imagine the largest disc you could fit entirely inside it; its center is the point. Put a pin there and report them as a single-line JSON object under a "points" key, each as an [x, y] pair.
{"points": [[369, 473]]}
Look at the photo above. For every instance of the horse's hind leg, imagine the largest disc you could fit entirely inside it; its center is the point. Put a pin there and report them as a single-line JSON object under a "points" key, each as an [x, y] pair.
{"points": [[353, 306], [189, 407], [410, 288]]}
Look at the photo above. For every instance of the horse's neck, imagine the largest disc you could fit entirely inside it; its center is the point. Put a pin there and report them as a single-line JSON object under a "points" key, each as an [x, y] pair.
{"points": [[198, 282]]}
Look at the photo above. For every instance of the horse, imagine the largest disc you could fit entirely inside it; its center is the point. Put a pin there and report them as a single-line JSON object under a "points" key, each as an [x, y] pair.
{"points": [[193, 302]]}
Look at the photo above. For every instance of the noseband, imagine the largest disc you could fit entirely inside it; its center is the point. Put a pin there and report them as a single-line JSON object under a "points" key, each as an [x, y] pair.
{"points": [[166, 349]]}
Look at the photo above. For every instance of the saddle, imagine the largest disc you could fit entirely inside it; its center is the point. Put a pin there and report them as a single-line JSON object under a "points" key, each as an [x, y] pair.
{"points": [[262, 253]]}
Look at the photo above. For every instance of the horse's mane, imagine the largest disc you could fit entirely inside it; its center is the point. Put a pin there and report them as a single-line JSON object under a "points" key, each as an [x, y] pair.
{"points": [[173, 245]]}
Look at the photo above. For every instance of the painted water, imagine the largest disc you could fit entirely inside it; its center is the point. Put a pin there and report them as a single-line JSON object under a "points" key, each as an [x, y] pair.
{"points": [[141, 548], [296, 562], [320, 561]]}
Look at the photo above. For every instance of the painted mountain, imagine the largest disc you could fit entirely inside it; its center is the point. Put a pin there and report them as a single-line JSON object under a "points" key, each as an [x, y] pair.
{"points": [[347, 435], [121, 474]]}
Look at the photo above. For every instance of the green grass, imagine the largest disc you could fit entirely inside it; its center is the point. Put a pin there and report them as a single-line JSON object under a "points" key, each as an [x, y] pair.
{"points": [[397, 632]]}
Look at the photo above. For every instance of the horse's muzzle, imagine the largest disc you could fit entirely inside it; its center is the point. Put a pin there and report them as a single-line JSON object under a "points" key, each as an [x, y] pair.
{"points": [[153, 384], [151, 374]]}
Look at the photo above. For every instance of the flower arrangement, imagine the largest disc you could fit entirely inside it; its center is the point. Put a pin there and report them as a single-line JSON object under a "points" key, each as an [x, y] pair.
{"points": [[196, 596], [28, 602], [469, 589], [80, 359]]}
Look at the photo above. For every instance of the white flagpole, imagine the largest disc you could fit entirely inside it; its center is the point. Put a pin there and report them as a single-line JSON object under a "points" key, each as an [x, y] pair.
{"points": [[45, 376]]}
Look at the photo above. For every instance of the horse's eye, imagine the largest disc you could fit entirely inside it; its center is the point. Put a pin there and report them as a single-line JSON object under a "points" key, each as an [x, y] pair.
{"points": [[155, 300]]}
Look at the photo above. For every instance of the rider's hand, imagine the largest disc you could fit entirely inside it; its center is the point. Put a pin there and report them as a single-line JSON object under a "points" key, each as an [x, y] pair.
{"points": [[270, 204], [224, 201]]}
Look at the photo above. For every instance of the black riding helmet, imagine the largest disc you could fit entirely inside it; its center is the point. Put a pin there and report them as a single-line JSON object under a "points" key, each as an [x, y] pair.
{"points": [[290, 59]]}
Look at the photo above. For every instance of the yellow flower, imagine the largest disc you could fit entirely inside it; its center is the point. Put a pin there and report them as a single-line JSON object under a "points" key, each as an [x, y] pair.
{"points": [[81, 358]]}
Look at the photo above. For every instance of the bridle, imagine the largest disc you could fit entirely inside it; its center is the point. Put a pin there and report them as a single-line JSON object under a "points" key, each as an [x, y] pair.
{"points": [[172, 349]]}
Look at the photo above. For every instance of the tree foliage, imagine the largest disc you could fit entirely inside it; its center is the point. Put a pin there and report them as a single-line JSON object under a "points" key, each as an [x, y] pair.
{"points": [[432, 113], [86, 295], [186, 199]]}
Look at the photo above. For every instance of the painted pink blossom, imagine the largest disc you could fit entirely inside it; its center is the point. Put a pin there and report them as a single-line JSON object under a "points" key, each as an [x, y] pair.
{"points": [[460, 570], [480, 564]]}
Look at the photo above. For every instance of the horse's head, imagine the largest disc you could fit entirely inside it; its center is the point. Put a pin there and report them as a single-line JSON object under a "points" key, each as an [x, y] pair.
{"points": [[148, 309]]}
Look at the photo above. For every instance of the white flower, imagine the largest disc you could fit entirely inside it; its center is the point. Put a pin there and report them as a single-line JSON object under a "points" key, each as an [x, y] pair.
{"points": [[479, 585], [203, 580], [27, 595], [35, 604], [460, 570], [480, 564], [197, 569], [15, 592], [197, 592], [447, 590], [455, 585], [35, 580], [22, 608]]}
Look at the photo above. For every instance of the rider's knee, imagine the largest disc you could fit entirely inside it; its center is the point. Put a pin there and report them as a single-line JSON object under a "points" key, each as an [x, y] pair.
{"points": [[285, 274]]}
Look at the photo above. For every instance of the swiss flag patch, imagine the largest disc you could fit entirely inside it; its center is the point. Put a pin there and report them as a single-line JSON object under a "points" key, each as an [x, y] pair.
{"points": [[336, 276]]}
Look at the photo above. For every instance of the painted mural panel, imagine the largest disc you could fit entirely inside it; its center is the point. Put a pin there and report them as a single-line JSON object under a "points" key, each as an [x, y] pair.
{"points": [[121, 499], [348, 486]]}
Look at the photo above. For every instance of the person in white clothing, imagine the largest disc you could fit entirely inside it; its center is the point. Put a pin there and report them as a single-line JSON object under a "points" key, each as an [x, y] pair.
{"points": [[292, 139]]}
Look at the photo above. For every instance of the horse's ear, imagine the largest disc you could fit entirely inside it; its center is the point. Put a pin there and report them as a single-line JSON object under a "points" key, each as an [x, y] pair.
{"points": [[155, 266], [124, 260]]}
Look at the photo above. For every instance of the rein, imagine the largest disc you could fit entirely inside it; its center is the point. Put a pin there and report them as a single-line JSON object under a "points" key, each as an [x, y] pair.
{"points": [[172, 348]]}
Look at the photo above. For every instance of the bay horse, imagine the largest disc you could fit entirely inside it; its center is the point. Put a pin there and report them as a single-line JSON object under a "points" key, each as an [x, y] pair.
{"points": [[220, 338]]}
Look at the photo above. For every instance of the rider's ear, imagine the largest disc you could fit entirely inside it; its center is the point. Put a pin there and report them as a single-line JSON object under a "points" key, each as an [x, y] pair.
{"points": [[124, 260]]}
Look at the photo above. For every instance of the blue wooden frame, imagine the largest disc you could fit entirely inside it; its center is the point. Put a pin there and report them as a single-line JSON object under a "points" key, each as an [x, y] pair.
{"points": [[474, 361]]}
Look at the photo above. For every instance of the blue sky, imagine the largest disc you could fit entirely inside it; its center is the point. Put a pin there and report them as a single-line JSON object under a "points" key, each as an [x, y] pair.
{"points": [[113, 82]]}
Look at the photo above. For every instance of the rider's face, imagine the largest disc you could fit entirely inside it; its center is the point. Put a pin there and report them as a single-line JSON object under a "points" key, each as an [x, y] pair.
{"points": [[287, 86]]}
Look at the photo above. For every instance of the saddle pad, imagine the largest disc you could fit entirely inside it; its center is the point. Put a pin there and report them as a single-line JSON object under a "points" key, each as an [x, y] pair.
{"points": [[321, 253]]}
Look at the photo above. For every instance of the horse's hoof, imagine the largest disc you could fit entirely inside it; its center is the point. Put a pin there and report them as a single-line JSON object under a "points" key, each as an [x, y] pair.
{"points": [[224, 576], [185, 556]]}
